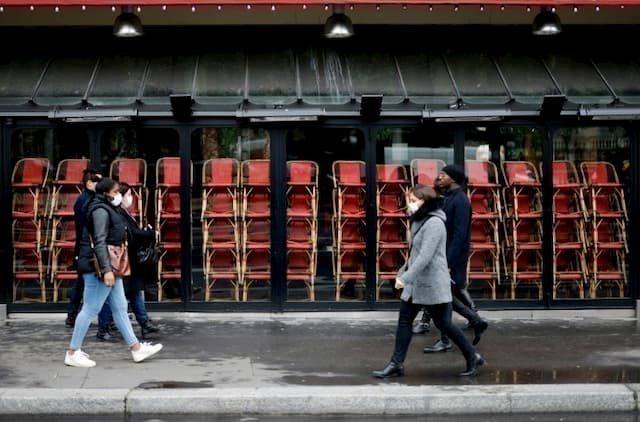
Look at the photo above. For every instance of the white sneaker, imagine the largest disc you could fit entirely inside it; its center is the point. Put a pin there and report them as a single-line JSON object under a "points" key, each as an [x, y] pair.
{"points": [[79, 359], [145, 351]]}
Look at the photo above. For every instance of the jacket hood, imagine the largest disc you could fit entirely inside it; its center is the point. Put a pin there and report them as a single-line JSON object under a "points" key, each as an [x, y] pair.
{"points": [[439, 213]]}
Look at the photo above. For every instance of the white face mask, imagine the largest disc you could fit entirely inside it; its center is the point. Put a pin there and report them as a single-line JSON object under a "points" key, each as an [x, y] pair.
{"points": [[413, 207], [127, 201], [117, 200]]}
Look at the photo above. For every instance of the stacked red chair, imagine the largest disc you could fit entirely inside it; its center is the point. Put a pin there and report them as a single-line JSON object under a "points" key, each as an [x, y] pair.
{"points": [[302, 216], [256, 224], [168, 214], [67, 186], [220, 220], [483, 190], [393, 231], [523, 200], [28, 182], [569, 217], [424, 171], [349, 212], [133, 171], [607, 229]]}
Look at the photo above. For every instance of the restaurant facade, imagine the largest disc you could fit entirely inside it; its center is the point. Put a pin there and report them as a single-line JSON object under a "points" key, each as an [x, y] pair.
{"points": [[273, 162]]}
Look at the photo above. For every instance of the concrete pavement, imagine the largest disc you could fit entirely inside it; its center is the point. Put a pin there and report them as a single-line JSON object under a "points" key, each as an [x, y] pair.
{"points": [[320, 364]]}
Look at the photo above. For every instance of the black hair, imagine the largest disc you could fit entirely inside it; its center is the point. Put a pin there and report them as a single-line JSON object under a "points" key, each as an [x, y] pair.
{"points": [[90, 175], [124, 188], [105, 185]]}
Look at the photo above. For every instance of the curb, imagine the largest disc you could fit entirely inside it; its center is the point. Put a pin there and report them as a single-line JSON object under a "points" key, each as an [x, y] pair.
{"points": [[318, 400]]}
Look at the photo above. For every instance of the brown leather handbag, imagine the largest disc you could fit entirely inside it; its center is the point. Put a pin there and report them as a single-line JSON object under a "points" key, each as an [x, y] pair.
{"points": [[118, 259]]}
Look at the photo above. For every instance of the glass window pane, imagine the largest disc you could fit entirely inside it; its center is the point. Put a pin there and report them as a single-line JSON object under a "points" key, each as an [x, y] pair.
{"points": [[591, 234], [324, 77], [624, 76], [526, 77], [18, 78], [502, 167], [476, 77], [325, 215], [66, 81], [405, 157], [375, 72], [426, 78], [169, 75], [221, 78], [578, 79], [272, 77], [118, 80]]}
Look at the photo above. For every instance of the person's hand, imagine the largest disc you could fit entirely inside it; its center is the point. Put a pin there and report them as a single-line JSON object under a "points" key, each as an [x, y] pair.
{"points": [[399, 284], [109, 279]]}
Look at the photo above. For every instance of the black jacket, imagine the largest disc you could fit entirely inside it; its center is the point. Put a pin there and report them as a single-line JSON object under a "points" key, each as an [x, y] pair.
{"points": [[458, 210], [107, 227], [137, 238], [80, 214]]}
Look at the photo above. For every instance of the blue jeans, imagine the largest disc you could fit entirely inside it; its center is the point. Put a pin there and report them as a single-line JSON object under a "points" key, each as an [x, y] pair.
{"points": [[96, 294], [136, 299]]}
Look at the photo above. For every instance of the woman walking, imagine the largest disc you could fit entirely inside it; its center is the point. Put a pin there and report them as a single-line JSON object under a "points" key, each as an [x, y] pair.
{"points": [[105, 228], [426, 283]]}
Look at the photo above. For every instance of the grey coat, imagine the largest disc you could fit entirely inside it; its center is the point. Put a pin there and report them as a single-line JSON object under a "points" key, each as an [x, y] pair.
{"points": [[426, 276]]}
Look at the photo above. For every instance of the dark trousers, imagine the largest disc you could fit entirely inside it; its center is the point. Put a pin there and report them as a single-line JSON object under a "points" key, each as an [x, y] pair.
{"points": [[441, 315], [138, 308], [75, 298], [462, 304]]}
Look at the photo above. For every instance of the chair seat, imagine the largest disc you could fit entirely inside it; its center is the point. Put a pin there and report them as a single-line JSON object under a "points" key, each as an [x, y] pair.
{"points": [[352, 246], [28, 275], [528, 275], [565, 186], [257, 214], [226, 245], [63, 213], [64, 244], [393, 245], [171, 274], [482, 275], [359, 275], [569, 245], [170, 215], [569, 275], [529, 246], [227, 274], [258, 275], [257, 245], [483, 185], [483, 246], [25, 245], [214, 214], [25, 185], [609, 245], [23, 215], [609, 214], [529, 215], [392, 214], [573, 215], [65, 275], [609, 275], [306, 213], [170, 245]]}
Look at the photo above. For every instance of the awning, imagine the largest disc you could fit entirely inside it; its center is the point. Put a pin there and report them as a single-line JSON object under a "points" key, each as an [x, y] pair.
{"points": [[110, 3], [275, 75]]}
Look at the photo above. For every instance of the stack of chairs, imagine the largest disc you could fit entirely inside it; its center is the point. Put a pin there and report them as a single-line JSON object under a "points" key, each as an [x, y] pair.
{"points": [[607, 230], [133, 171], [349, 212], [302, 230], [220, 219], [569, 217], [424, 171], [523, 200], [167, 197], [28, 182], [393, 230], [67, 186], [483, 190], [256, 224]]}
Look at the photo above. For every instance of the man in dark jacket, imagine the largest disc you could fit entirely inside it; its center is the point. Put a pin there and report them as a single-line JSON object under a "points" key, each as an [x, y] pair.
{"points": [[90, 178], [457, 207]]}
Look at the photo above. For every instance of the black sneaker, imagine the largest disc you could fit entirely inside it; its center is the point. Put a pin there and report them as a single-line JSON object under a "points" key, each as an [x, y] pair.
{"points": [[70, 322], [104, 335], [148, 328], [421, 327]]}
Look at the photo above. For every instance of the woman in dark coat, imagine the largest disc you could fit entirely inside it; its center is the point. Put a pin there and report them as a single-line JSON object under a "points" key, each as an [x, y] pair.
{"points": [[426, 282]]}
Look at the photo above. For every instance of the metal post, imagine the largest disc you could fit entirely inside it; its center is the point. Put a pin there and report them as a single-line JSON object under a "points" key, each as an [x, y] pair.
{"points": [[278, 152], [634, 210], [5, 213], [458, 145], [185, 214], [371, 214], [547, 216]]}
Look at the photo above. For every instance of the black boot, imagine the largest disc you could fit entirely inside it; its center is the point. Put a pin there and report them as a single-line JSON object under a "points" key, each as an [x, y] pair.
{"points": [[104, 335], [439, 346], [479, 328], [391, 370], [148, 328], [473, 366]]}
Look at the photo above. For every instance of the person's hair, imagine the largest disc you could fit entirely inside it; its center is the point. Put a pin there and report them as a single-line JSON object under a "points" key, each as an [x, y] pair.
{"points": [[124, 188], [90, 174], [425, 193], [105, 185]]}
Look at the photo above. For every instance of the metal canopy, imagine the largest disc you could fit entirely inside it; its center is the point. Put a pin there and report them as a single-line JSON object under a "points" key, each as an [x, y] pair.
{"points": [[276, 77]]}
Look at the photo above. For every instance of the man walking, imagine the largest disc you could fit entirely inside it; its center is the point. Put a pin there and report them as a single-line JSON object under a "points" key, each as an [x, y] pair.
{"points": [[457, 208]]}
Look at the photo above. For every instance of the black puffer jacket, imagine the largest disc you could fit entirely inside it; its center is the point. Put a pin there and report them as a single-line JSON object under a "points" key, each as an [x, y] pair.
{"points": [[137, 238], [107, 227]]}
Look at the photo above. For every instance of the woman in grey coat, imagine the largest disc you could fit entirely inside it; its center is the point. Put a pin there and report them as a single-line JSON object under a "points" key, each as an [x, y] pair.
{"points": [[426, 282]]}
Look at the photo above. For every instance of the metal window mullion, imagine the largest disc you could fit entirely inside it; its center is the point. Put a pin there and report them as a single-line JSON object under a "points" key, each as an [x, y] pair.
{"points": [[92, 80], [40, 79], [547, 216], [604, 80], [456, 90], [371, 216]]}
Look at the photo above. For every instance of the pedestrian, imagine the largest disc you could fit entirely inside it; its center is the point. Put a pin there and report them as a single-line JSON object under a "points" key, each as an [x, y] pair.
{"points": [[457, 208], [426, 282], [105, 228], [89, 179], [133, 284]]}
